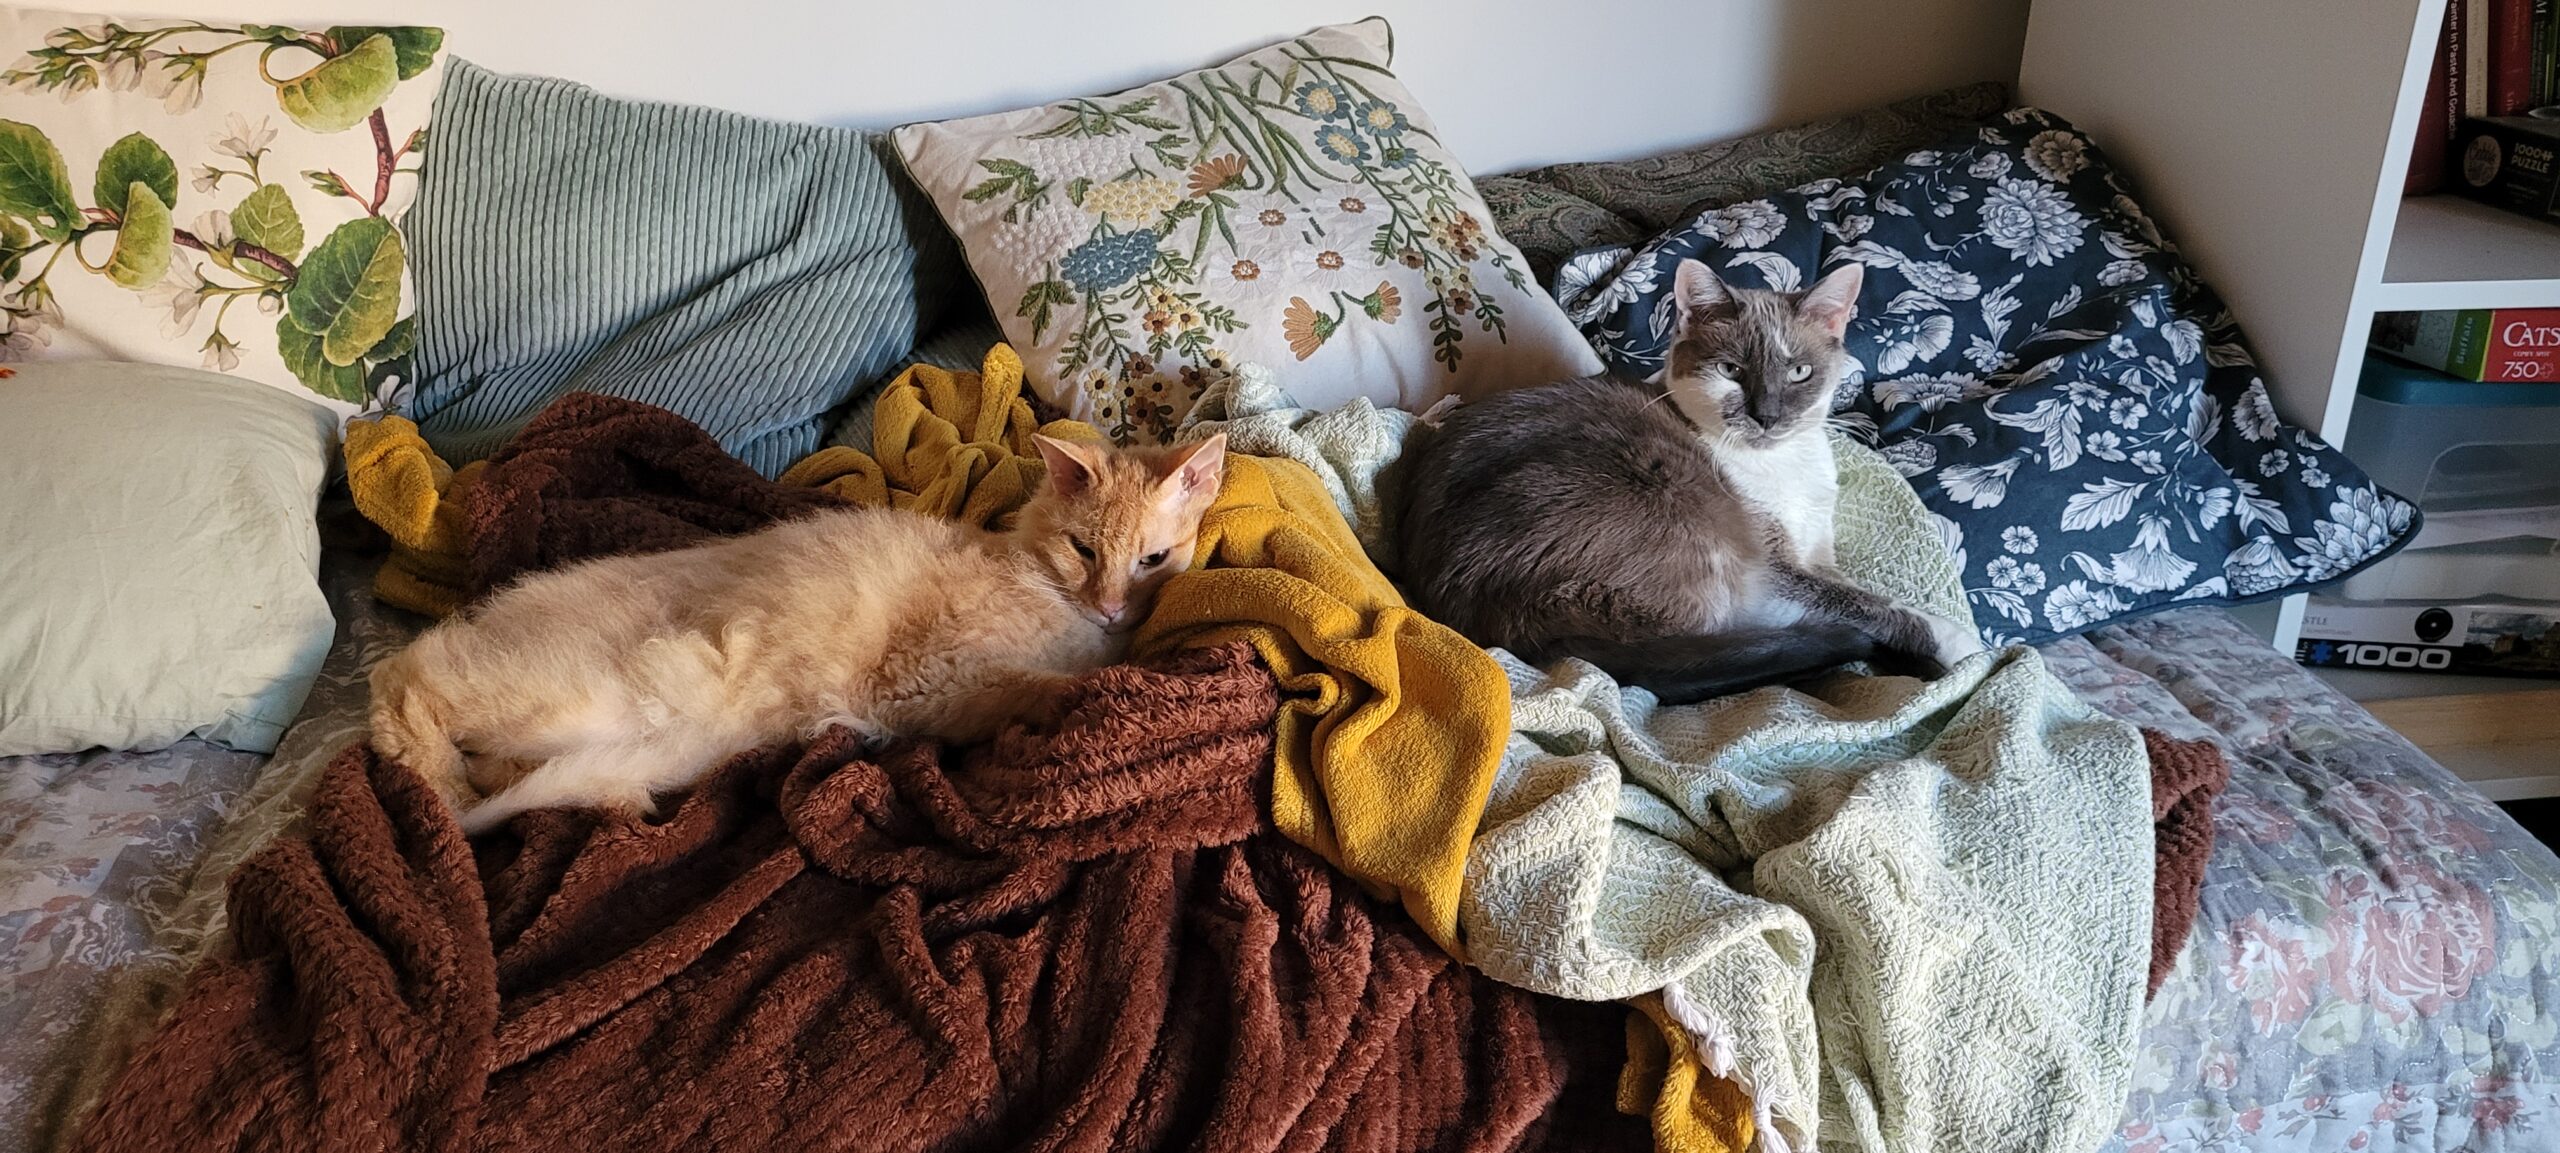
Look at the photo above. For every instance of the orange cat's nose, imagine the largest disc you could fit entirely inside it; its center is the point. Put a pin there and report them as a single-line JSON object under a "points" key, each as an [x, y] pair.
{"points": [[1112, 610]]}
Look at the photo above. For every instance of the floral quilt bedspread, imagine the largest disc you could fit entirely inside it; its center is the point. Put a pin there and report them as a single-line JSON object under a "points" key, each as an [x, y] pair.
{"points": [[2376, 966], [112, 868]]}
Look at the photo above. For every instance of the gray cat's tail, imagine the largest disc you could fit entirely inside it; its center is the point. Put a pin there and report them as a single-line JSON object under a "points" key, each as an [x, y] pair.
{"points": [[1682, 670]]}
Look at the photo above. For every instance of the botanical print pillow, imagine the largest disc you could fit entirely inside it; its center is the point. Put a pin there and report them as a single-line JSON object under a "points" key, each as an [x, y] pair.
{"points": [[1292, 207], [2053, 379], [214, 194]]}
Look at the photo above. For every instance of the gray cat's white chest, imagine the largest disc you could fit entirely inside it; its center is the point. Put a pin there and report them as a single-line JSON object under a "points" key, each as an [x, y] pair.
{"points": [[1794, 483]]}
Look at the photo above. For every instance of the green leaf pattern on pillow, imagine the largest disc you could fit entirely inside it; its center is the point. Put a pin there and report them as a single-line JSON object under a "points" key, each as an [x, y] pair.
{"points": [[338, 306]]}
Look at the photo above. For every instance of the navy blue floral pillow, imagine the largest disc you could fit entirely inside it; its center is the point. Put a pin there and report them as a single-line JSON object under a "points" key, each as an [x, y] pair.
{"points": [[2053, 379]]}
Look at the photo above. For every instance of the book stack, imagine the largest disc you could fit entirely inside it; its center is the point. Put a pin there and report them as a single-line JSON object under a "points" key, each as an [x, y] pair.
{"points": [[2490, 127], [2499, 345]]}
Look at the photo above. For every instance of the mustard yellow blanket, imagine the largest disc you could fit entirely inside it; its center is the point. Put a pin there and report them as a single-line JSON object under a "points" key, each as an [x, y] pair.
{"points": [[1396, 724], [403, 487], [951, 444]]}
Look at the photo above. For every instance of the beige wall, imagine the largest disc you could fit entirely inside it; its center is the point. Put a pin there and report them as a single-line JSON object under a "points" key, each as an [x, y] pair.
{"points": [[1512, 82]]}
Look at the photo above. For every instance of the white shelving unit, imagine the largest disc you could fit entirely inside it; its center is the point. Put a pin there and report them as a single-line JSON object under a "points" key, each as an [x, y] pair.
{"points": [[2271, 138], [2447, 252]]}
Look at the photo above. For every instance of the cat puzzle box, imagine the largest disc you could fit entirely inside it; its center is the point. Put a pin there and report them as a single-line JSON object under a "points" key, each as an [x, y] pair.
{"points": [[2479, 344]]}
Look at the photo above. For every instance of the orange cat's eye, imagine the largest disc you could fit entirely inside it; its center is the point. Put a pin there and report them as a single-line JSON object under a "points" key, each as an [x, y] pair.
{"points": [[1080, 548], [1154, 558]]}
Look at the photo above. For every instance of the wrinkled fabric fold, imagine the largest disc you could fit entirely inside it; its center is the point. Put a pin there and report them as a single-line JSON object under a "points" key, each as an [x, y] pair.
{"points": [[1086, 938]]}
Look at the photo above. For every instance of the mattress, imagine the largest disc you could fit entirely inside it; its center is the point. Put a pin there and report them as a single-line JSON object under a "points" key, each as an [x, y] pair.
{"points": [[2373, 967]]}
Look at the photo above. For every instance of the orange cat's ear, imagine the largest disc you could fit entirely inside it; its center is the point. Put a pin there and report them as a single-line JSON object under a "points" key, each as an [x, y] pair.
{"points": [[1194, 470], [1071, 470]]}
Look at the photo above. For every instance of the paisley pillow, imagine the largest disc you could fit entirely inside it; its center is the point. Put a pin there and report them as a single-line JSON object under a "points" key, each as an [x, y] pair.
{"points": [[214, 194], [1292, 207], [2053, 379]]}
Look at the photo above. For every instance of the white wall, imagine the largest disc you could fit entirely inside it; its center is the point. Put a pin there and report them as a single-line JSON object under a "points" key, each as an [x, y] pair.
{"points": [[1512, 82]]}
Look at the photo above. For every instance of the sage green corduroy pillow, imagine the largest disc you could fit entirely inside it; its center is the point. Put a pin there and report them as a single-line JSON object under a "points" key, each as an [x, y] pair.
{"points": [[751, 275]]}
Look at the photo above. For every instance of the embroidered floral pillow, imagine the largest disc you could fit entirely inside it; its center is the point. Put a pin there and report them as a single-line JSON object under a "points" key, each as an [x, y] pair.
{"points": [[2057, 384], [1292, 207], [214, 194]]}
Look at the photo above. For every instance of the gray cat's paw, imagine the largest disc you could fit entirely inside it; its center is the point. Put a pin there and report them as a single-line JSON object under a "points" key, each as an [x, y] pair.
{"points": [[1956, 640]]}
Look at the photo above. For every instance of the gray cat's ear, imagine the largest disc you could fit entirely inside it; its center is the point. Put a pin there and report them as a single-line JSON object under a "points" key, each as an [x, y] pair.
{"points": [[1194, 470], [1699, 288], [1070, 469], [1834, 299]]}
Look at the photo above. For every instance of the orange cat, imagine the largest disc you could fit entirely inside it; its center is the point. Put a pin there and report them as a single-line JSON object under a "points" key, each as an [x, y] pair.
{"points": [[616, 679]]}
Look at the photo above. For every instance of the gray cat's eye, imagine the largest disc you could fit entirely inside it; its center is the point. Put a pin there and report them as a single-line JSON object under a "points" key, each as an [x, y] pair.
{"points": [[1800, 374]]}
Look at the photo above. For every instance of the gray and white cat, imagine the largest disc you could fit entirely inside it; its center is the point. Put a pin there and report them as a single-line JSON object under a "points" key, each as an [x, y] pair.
{"points": [[1678, 537]]}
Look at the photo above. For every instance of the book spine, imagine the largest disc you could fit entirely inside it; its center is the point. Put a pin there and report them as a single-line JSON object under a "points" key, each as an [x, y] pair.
{"points": [[2428, 153], [2470, 344], [2548, 37], [2473, 80], [2510, 36], [2545, 90]]}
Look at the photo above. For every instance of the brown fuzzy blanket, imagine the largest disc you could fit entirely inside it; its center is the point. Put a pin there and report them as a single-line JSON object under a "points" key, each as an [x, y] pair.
{"points": [[594, 475], [1086, 939], [2186, 776]]}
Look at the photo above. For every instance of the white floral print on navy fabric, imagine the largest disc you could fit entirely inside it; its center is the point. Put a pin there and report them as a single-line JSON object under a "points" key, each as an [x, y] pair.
{"points": [[2052, 378]]}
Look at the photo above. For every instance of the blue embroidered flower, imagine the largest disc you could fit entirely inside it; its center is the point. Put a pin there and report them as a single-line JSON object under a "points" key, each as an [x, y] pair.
{"points": [[1324, 101], [1341, 143], [1107, 262], [1381, 119], [1397, 155]]}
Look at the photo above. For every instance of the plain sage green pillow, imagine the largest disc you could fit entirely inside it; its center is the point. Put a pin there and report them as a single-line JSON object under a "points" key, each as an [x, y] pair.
{"points": [[159, 560]]}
